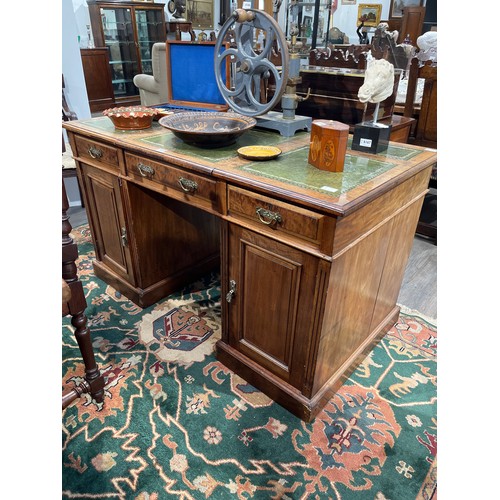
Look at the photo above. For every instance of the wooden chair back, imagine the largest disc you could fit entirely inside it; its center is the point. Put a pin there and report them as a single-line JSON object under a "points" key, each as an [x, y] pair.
{"points": [[336, 58], [426, 129]]}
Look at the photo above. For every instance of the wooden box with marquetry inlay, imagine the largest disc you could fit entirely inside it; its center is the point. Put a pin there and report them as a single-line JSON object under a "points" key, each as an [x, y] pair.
{"points": [[328, 145]]}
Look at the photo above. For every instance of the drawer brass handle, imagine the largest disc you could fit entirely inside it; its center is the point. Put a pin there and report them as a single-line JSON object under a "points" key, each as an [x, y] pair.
{"points": [[267, 217], [232, 291], [145, 170], [188, 185], [94, 152]]}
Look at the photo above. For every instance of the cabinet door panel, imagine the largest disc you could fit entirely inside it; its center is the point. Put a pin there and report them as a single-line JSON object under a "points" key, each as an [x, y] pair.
{"points": [[270, 310], [272, 316], [120, 39], [108, 221], [150, 30]]}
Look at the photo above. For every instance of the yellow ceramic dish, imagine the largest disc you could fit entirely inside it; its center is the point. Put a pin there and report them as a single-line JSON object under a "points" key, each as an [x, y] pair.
{"points": [[259, 152]]}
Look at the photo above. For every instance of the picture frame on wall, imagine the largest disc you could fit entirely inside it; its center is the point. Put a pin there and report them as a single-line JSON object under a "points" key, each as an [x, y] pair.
{"points": [[397, 6], [370, 13], [200, 13]]}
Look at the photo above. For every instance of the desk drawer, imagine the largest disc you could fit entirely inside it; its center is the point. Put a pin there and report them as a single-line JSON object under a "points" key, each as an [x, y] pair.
{"points": [[97, 152], [181, 182], [265, 212]]}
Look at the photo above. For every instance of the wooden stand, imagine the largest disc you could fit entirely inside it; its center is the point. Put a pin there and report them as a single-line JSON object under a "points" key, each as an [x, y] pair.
{"points": [[178, 27], [371, 137]]}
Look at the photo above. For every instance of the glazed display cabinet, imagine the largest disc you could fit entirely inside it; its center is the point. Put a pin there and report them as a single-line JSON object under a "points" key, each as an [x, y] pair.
{"points": [[312, 20], [128, 30]]}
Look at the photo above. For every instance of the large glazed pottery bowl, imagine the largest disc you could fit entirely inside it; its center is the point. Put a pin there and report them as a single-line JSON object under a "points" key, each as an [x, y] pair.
{"points": [[131, 117], [207, 129]]}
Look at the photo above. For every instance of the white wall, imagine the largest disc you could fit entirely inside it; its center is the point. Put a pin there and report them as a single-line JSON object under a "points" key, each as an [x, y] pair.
{"points": [[76, 90], [82, 18], [74, 80]]}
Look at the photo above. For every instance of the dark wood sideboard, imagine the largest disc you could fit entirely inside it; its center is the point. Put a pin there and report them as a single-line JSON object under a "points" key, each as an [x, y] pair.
{"points": [[97, 74], [333, 95], [311, 262]]}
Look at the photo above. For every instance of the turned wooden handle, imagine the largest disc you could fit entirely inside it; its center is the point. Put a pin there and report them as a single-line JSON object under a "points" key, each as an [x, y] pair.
{"points": [[242, 15]]}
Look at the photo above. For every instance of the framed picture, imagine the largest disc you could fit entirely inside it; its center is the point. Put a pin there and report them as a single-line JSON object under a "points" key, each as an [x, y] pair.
{"points": [[370, 13], [200, 13], [397, 6]]}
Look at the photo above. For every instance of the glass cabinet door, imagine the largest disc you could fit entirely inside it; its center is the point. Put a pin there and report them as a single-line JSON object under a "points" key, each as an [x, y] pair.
{"points": [[300, 20], [119, 38], [149, 31]]}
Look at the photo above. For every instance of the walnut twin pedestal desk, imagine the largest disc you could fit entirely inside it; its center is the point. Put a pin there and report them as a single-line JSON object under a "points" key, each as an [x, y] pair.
{"points": [[311, 262]]}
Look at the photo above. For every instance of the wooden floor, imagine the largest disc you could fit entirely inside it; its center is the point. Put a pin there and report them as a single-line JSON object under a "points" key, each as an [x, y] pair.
{"points": [[419, 288]]}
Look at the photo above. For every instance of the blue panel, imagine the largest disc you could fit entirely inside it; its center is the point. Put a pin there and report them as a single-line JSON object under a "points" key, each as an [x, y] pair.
{"points": [[192, 73]]}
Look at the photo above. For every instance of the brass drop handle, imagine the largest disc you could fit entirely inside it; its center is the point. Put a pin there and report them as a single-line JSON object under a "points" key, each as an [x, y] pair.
{"points": [[232, 291], [145, 170], [187, 185], [124, 237], [267, 217], [94, 152]]}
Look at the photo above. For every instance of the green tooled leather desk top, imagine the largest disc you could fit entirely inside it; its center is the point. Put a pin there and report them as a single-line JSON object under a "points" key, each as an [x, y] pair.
{"points": [[289, 173]]}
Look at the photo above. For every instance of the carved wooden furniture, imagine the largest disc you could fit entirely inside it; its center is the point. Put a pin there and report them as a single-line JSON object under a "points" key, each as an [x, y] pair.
{"points": [[333, 95], [74, 304], [97, 72], [128, 30], [425, 134], [427, 221], [412, 23], [337, 58], [311, 261], [178, 27], [426, 129]]}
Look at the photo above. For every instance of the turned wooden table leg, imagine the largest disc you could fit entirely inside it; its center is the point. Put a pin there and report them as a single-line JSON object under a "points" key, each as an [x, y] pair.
{"points": [[77, 306], [92, 373]]}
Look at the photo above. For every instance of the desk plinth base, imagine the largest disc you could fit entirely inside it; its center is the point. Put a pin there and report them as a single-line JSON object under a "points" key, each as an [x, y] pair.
{"points": [[152, 294], [287, 128], [290, 397]]}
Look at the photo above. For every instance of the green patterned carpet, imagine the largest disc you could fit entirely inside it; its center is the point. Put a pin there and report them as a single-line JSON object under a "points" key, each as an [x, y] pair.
{"points": [[176, 423]]}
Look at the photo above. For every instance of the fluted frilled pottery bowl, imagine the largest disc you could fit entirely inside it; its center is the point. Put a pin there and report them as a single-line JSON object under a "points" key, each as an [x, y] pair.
{"points": [[131, 117], [207, 129]]}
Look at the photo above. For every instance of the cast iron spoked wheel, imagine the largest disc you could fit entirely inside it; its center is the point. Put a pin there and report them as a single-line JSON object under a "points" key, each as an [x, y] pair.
{"points": [[249, 69]]}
